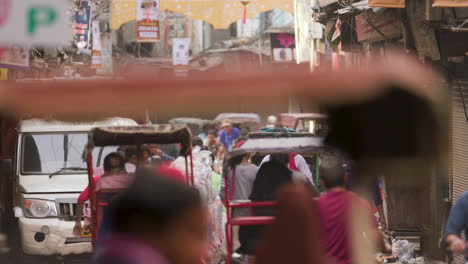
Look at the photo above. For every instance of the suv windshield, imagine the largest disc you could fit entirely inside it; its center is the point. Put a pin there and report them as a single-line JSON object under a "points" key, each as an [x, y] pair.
{"points": [[48, 153]]}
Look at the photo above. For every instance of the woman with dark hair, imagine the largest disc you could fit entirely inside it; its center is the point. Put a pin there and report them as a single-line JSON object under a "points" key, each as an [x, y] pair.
{"points": [[113, 165]]}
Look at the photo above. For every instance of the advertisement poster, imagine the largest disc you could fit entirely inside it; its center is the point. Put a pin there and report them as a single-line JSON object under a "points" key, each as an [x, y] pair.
{"points": [[15, 57], [180, 51], [96, 59], [283, 47], [180, 56], [81, 25], [148, 21]]}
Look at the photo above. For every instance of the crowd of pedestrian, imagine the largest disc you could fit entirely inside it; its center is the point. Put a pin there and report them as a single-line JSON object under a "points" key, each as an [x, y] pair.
{"points": [[162, 220]]}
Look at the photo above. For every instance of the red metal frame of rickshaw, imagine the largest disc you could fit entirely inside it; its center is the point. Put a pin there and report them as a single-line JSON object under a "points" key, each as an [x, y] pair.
{"points": [[134, 135], [264, 143]]}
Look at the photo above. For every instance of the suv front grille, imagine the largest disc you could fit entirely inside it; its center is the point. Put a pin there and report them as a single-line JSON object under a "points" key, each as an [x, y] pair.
{"points": [[67, 209]]}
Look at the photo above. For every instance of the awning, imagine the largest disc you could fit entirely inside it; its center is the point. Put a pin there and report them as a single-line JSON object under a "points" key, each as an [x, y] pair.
{"points": [[323, 3], [450, 3], [388, 3], [219, 13]]}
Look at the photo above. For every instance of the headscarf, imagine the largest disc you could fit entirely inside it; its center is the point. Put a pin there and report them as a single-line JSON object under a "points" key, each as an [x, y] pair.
{"points": [[294, 237]]}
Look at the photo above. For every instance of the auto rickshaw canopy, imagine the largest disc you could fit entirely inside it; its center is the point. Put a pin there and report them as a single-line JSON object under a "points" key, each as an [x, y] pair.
{"points": [[142, 134], [274, 142]]}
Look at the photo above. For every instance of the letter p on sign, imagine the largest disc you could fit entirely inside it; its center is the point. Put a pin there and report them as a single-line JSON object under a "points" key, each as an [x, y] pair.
{"points": [[40, 16]]}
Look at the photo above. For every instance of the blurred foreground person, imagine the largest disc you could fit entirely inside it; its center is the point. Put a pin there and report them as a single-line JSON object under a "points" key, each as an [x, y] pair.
{"points": [[271, 176], [457, 222], [294, 236], [338, 211], [156, 220]]}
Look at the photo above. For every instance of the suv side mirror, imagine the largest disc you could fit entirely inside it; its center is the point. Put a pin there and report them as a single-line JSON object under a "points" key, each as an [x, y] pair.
{"points": [[7, 168]]}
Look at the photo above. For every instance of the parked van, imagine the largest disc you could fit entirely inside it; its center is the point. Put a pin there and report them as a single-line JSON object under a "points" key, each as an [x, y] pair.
{"points": [[44, 178]]}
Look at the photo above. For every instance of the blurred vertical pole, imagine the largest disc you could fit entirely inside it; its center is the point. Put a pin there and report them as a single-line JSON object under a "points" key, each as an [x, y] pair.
{"points": [[312, 55], [147, 118], [296, 33], [260, 50], [167, 29]]}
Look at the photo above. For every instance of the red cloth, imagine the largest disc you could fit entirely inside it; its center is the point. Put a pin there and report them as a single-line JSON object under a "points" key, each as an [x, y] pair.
{"points": [[292, 161], [84, 196], [334, 216], [172, 173]]}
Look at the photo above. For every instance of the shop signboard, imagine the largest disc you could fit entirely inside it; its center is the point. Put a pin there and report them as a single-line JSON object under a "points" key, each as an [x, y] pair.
{"points": [[283, 47], [147, 21], [450, 3], [15, 56], [3, 74], [37, 22]]}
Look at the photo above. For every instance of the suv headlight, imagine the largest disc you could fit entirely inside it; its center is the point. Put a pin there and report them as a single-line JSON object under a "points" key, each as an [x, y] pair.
{"points": [[39, 208]]}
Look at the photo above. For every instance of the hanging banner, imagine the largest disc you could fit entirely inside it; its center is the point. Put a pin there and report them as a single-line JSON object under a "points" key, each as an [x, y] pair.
{"points": [[15, 57], [180, 51], [180, 56], [81, 25], [3, 74], [147, 25], [283, 47], [450, 3], [106, 55], [96, 59], [372, 27], [387, 3], [303, 23]]}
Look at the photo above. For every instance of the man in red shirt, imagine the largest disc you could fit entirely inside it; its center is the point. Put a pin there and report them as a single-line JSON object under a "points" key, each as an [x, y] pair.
{"points": [[337, 208]]}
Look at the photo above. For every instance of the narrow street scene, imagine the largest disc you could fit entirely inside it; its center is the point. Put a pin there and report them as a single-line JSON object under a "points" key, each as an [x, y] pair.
{"points": [[233, 131]]}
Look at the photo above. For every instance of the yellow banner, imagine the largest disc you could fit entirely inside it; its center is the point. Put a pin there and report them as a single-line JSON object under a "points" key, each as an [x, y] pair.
{"points": [[451, 3], [219, 13], [3, 74], [387, 3]]}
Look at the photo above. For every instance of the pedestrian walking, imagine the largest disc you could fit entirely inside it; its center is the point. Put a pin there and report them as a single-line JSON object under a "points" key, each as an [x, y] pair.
{"points": [[456, 224], [228, 134], [245, 174], [344, 216]]}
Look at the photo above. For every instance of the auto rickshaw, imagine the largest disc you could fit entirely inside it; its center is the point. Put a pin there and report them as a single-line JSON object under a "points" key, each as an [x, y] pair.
{"points": [[132, 135], [304, 122], [263, 144], [248, 121], [196, 125]]}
